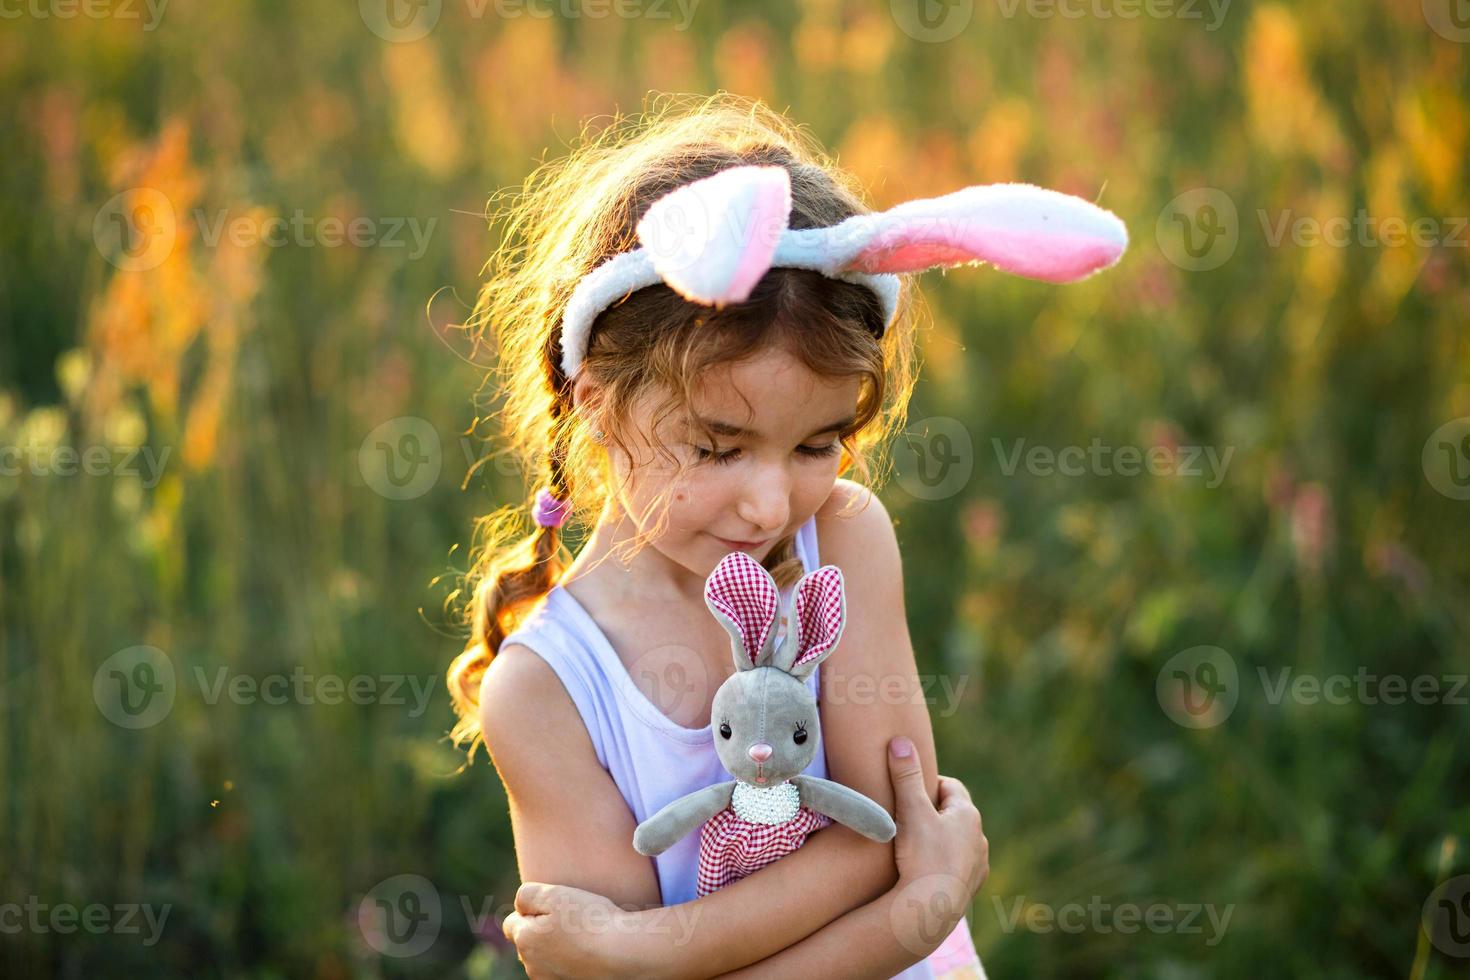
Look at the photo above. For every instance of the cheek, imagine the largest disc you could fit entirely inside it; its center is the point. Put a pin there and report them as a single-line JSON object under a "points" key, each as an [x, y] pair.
{"points": [[698, 496], [815, 485]]}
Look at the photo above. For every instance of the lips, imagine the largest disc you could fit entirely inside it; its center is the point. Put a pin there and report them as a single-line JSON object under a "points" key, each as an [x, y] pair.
{"points": [[741, 545]]}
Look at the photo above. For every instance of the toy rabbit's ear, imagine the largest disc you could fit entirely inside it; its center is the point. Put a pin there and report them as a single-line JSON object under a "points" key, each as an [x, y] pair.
{"points": [[818, 615], [713, 239], [744, 598], [1026, 230]]}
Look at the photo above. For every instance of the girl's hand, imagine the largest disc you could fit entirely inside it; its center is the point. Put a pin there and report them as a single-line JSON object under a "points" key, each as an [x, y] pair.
{"points": [[563, 933], [942, 854]]}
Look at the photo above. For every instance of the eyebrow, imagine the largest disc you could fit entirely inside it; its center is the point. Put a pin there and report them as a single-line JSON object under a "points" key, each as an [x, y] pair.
{"points": [[727, 429]]}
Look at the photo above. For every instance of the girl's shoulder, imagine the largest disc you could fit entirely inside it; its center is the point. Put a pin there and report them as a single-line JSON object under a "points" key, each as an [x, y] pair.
{"points": [[856, 534]]}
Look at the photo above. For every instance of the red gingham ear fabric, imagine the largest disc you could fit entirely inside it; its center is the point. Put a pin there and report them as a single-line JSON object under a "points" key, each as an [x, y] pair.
{"points": [[745, 592], [818, 613]]}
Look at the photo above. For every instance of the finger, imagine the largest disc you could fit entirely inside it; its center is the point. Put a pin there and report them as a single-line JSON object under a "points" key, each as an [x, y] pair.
{"points": [[953, 794], [909, 795], [533, 898], [521, 929]]}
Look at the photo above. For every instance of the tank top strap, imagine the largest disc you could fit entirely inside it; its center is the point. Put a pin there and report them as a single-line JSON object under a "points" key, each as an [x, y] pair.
{"points": [[806, 545], [555, 641]]}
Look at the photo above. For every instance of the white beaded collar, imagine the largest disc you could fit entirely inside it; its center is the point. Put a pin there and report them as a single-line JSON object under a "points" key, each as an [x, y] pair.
{"points": [[766, 804]]}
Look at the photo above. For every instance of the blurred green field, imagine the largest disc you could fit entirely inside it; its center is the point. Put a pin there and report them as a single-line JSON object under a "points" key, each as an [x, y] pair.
{"points": [[250, 444]]}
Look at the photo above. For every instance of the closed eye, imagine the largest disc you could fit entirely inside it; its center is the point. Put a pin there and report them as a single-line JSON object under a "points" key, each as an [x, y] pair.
{"points": [[730, 455]]}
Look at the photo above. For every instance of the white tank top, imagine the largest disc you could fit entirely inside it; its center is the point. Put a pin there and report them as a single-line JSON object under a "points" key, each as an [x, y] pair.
{"points": [[652, 759]]}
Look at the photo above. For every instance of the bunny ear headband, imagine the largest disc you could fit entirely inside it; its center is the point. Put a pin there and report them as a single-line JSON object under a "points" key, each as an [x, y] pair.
{"points": [[744, 598], [713, 239]]}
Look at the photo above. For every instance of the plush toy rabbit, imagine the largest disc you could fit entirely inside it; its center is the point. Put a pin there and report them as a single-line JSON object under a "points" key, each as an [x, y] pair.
{"points": [[766, 732]]}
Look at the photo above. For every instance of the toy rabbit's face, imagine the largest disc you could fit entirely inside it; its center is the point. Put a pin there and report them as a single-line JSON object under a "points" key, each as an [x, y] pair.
{"points": [[765, 726], [764, 718]]}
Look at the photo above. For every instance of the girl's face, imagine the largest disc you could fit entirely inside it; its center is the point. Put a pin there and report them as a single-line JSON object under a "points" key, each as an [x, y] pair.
{"points": [[775, 463]]}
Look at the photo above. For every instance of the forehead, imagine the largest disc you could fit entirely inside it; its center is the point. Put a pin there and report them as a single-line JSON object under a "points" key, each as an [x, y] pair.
{"points": [[775, 395]]}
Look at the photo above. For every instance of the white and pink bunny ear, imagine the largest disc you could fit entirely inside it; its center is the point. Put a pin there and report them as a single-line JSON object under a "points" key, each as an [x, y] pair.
{"points": [[744, 598], [713, 239], [1018, 228], [818, 615]]}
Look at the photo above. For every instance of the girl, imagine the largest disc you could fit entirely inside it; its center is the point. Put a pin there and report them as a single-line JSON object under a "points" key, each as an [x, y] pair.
{"points": [[702, 392]]}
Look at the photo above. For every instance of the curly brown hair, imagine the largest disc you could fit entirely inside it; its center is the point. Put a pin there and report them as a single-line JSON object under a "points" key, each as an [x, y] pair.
{"points": [[571, 215]]}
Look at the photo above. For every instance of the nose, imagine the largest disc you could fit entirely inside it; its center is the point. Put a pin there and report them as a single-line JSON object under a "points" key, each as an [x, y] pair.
{"points": [[767, 501], [760, 751]]}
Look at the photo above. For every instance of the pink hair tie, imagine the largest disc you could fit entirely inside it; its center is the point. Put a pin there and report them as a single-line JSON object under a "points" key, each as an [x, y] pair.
{"points": [[550, 510]]}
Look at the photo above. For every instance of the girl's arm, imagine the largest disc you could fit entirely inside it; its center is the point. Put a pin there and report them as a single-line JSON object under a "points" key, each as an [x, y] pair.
{"points": [[758, 916], [574, 830], [869, 692], [855, 946], [943, 859], [572, 826]]}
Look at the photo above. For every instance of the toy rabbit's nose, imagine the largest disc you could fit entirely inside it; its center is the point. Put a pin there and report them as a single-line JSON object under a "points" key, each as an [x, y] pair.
{"points": [[760, 751]]}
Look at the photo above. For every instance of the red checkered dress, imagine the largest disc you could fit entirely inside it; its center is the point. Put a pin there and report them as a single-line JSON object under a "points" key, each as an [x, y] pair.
{"points": [[731, 847]]}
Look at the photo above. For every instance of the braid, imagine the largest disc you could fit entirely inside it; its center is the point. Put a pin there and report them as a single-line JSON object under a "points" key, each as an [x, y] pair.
{"points": [[528, 572]]}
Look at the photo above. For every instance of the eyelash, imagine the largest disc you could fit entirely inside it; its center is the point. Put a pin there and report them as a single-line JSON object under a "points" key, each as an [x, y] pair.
{"points": [[815, 452]]}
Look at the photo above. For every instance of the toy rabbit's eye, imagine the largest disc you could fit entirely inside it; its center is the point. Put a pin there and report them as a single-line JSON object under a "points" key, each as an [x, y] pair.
{"points": [[799, 737], [725, 730]]}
